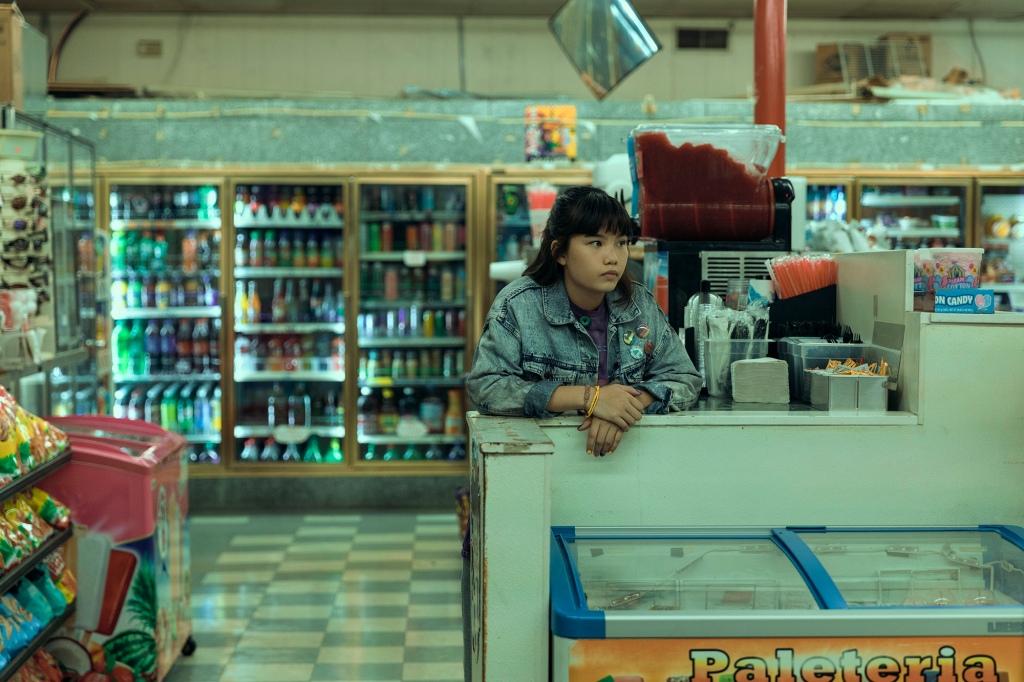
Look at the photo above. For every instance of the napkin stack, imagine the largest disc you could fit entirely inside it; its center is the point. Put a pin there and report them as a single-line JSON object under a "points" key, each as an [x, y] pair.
{"points": [[764, 380]]}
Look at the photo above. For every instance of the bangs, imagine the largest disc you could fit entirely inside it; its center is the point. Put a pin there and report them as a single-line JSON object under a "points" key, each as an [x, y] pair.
{"points": [[600, 212]]}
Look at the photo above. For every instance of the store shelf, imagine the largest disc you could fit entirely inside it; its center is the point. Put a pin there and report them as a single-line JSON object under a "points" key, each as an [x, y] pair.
{"points": [[48, 631], [243, 431], [414, 216], [10, 578], [199, 272], [414, 342], [406, 440], [201, 438], [165, 313], [269, 273], [1000, 288], [153, 378], [365, 305], [31, 478], [179, 224], [997, 241], [412, 258], [303, 375], [904, 201], [413, 382], [48, 363], [290, 328], [922, 233]]}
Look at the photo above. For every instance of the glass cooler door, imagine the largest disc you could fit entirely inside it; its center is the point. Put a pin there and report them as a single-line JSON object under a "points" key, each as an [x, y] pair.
{"points": [[913, 214], [688, 574], [921, 567]]}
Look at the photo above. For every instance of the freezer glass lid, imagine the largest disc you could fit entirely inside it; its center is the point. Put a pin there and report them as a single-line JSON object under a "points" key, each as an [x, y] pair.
{"points": [[102, 433], [688, 575], [921, 568]]}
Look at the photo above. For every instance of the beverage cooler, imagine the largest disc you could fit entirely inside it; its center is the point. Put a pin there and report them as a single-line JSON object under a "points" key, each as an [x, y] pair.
{"points": [[812, 603], [166, 284], [128, 484], [916, 213], [415, 237], [1000, 226], [288, 332]]}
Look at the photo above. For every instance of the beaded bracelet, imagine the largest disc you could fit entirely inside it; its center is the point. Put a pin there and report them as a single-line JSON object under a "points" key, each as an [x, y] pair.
{"points": [[597, 392]]}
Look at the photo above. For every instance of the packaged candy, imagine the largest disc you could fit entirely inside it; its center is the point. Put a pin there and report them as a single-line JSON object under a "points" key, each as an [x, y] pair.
{"points": [[49, 509], [42, 581]]}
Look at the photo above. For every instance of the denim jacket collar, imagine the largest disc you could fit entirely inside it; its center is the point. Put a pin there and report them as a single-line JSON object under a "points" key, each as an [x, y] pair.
{"points": [[555, 302]]}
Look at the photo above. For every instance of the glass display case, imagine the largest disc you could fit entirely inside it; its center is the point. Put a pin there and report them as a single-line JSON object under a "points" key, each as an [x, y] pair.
{"points": [[411, 323], [288, 335], [829, 198], [691, 603], [166, 282], [1000, 227], [911, 213]]}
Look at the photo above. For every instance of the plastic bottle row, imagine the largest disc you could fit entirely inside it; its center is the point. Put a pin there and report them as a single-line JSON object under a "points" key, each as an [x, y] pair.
{"points": [[185, 408], [205, 453], [432, 283], [289, 250], [282, 204], [382, 412], [412, 322], [146, 251], [391, 198], [412, 452], [163, 291], [310, 452], [322, 352], [412, 364], [163, 202], [288, 302], [386, 237], [286, 404], [165, 347]]}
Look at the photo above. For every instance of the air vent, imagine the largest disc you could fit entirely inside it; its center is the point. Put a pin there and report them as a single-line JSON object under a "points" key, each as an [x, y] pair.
{"points": [[719, 267], [702, 39]]}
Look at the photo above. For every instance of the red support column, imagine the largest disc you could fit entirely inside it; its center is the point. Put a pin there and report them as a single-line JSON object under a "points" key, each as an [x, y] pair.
{"points": [[770, 72]]}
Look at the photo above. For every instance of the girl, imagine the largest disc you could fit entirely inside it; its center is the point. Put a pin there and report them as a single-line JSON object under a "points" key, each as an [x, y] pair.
{"points": [[576, 332]]}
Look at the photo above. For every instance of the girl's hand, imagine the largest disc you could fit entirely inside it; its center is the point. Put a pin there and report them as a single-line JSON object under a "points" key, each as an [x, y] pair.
{"points": [[619, 405], [603, 437]]}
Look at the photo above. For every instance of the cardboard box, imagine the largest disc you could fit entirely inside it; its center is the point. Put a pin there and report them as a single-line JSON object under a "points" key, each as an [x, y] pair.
{"points": [[971, 301], [827, 66], [924, 40]]}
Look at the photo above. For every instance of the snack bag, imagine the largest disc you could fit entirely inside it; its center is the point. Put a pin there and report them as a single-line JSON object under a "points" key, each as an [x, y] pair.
{"points": [[29, 625], [49, 668], [41, 579], [16, 537], [61, 574], [47, 440], [23, 440], [27, 521], [49, 509], [33, 601], [10, 467]]}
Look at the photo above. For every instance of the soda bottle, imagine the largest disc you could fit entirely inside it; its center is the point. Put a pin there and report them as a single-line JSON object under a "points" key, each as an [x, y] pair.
{"points": [[276, 407], [201, 346], [327, 253], [151, 410], [338, 354], [388, 418], [391, 453], [136, 405], [291, 304], [284, 252], [412, 454], [408, 406], [186, 414], [457, 453], [271, 451], [209, 455], [151, 361], [243, 354], [160, 252], [241, 251], [189, 252], [133, 298], [204, 253], [212, 296], [275, 354], [334, 454], [303, 302], [454, 417], [299, 407], [122, 347], [312, 252], [191, 286], [298, 201], [119, 292], [371, 453], [177, 291], [184, 347], [253, 300], [144, 257], [163, 291], [169, 408], [241, 303], [216, 409], [137, 349], [201, 410], [249, 452], [313, 453], [391, 283], [255, 250], [215, 345], [328, 306], [117, 252], [432, 412], [291, 454], [298, 251], [434, 452], [278, 311], [315, 301], [120, 406], [387, 236], [149, 292], [368, 413], [270, 250]]}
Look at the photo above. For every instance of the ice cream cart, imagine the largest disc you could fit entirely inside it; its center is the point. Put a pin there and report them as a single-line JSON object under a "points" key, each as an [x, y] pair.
{"points": [[816, 603], [128, 481]]}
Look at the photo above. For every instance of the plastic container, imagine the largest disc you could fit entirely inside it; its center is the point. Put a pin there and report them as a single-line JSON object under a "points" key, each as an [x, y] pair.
{"points": [[945, 222], [957, 268], [813, 353], [704, 182], [718, 359]]}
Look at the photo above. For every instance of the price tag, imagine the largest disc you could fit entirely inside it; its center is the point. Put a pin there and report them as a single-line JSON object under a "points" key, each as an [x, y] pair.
{"points": [[414, 259]]}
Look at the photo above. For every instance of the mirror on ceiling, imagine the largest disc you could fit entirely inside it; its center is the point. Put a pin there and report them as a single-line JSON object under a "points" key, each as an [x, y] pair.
{"points": [[606, 40]]}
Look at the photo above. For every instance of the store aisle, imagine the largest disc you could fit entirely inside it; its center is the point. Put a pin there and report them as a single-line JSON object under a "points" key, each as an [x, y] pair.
{"points": [[368, 597]]}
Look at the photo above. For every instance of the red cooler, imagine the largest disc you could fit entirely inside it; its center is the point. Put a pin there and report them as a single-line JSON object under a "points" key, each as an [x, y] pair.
{"points": [[128, 486]]}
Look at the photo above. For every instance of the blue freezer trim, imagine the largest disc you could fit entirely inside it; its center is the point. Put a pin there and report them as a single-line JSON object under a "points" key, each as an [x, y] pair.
{"points": [[1012, 534], [819, 582], [570, 616]]}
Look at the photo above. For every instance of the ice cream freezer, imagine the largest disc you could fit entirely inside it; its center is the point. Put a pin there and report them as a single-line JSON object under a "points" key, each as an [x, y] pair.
{"points": [[127, 483], [810, 604]]}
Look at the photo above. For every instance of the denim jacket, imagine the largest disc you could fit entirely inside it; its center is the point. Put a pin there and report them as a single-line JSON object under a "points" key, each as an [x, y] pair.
{"points": [[532, 343]]}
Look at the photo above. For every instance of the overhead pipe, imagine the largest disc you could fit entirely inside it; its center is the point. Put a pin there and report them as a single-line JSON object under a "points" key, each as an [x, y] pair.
{"points": [[770, 72]]}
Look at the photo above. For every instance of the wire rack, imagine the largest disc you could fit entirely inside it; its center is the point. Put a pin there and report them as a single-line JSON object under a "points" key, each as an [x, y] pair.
{"points": [[887, 59]]}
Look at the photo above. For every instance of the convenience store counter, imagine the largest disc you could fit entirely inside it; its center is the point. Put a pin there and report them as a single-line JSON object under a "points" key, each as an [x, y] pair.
{"points": [[951, 455]]}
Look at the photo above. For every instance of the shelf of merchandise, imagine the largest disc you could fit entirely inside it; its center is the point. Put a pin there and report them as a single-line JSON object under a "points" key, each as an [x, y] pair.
{"points": [[1001, 288], [48, 631], [289, 327], [34, 476], [922, 233], [180, 313], [427, 439], [287, 226], [244, 431], [199, 272], [906, 201], [413, 342], [298, 375], [201, 438], [169, 224], [413, 382], [413, 216], [372, 305], [273, 273], [413, 257], [154, 378], [10, 578]]}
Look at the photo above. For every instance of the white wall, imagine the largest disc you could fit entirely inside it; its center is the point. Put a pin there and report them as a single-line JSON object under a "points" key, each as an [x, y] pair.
{"points": [[379, 56]]}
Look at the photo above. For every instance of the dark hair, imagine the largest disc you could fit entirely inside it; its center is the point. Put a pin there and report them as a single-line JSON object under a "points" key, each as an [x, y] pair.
{"points": [[580, 210]]}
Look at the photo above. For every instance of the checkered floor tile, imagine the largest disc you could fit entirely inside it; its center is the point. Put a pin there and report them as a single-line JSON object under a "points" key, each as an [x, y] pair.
{"points": [[371, 597]]}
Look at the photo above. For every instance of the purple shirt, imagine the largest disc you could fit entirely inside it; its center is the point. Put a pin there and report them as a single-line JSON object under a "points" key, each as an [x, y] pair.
{"points": [[598, 331]]}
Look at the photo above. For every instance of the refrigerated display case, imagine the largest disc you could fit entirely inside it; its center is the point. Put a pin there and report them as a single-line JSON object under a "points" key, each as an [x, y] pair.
{"points": [[128, 485], [413, 329], [166, 257], [288, 334], [1000, 221], [698, 604], [829, 198], [916, 212]]}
